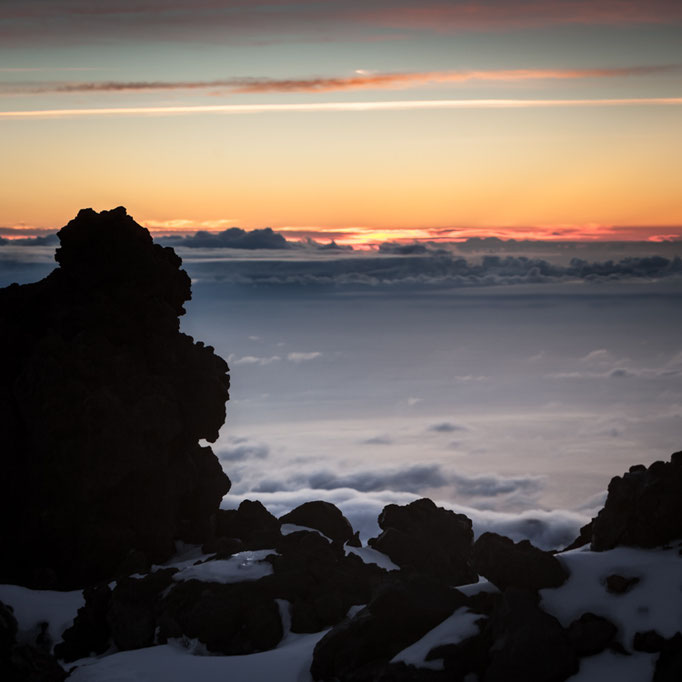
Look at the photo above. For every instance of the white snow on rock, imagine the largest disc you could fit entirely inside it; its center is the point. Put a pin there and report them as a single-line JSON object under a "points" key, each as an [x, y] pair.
{"points": [[459, 626], [31, 607], [173, 663], [289, 528], [655, 603], [238, 568], [609, 666], [372, 556], [482, 585]]}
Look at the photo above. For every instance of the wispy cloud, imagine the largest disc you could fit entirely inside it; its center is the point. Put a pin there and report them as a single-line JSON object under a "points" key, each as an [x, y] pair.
{"points": [[395, 105], [468, 15], [359, 81]]}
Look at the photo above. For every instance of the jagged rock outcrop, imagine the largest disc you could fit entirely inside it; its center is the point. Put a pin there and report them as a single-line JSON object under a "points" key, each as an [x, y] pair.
{"points": [[423, 538], [323, 516], [102, 405], [643, 507], [506, 563], [400, 613], [251, 523]]}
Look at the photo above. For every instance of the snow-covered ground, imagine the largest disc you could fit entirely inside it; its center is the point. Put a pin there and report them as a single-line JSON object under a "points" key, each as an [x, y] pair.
{"points": [[653, 603]]}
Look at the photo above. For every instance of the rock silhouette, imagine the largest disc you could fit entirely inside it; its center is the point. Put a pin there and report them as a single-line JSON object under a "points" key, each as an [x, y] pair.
{"points": [[643, 507], [102, 405]]}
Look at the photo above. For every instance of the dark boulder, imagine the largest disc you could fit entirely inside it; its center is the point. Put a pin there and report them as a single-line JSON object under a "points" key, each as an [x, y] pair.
{"points": [[23, 662], [323, 516], [134, 607], [251, 523], [359, 648], [527, 643], [506, 563], [618, 584], [102, 408], [643, 507], [231, 619], [319, 581], [591, 634], [669, 663], [90, 633], [423, 538]]}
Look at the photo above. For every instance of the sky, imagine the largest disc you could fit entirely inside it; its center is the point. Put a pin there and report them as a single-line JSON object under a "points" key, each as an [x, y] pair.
{"points": [[361, 121], [504, 334]]}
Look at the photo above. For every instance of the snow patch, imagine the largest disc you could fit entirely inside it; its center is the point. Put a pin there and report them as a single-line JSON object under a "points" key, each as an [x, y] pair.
{"points": [[459, 626], [372, 556], [289, 528], [238, 568], [651, 604], [610, 666], [31, 607]]}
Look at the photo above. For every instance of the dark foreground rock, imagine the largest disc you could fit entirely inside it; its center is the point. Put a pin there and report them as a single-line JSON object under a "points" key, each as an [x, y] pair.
{"points": [[643, 507], [359, 648], [508, 564], [527, 643], [102, 405], [423, 538], [323, 516], [23, 662]]}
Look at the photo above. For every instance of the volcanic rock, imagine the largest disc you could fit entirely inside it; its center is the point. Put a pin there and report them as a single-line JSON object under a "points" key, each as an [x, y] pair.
{"points": [[400, 614], [643, 507], [591, 634], [323, 516], [527, 643], [319, 581], [423, 538], [102, 405], [232, 619], [618, 584], [90, 632], [23, 662], [506, 563], [251, 523]]}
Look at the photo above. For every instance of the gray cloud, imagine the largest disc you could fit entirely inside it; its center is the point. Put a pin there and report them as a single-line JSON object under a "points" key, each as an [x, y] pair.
{"points": [[410, 479], [429, 271], [241, 450], [491, 485], [378, 440], [232, 238], [447, 427]]}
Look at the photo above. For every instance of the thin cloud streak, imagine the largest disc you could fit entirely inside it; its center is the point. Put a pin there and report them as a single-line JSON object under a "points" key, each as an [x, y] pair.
{"points": [[443, 17], [359, 82], [396, 105]]}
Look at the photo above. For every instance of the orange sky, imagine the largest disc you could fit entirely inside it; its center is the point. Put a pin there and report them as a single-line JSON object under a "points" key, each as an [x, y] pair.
{"points": [[516, 119]]}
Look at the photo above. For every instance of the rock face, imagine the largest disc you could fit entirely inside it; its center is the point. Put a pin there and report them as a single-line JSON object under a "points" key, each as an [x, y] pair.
{"points": [[24, 662], [423, 538], [399, 614], [323, 516], [102, 405], [643, 507], [508, 564]]}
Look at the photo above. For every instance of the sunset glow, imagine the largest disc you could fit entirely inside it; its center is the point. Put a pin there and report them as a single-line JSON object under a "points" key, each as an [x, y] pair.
{"points": [[287, 115]]}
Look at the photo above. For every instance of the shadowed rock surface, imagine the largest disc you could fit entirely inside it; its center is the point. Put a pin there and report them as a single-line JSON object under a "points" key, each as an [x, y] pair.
{"points": [[323, 516], [506, 563], [643, 507], [102, 405], [423, 538]]}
